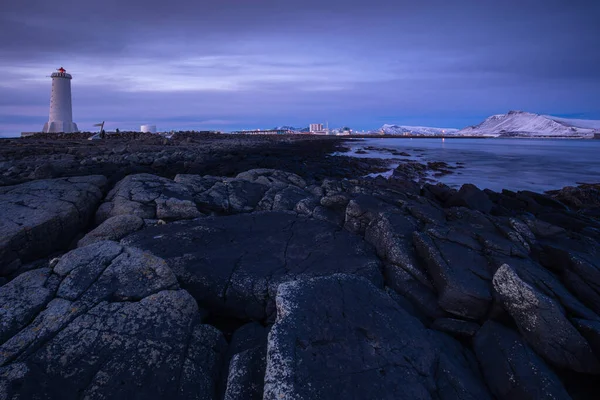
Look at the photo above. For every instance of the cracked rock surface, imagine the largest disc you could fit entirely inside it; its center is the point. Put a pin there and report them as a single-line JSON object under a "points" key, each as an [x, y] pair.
{"points": [[106, 322], [40, 217], [341, 337], [268, 284], [233, 265]]}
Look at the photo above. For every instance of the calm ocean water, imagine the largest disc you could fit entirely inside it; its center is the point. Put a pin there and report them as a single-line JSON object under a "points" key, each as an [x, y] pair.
{"points": [[515, 164]]}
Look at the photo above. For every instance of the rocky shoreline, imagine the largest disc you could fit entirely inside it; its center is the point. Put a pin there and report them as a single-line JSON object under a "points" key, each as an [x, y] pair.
{"points": [[262, 268]]}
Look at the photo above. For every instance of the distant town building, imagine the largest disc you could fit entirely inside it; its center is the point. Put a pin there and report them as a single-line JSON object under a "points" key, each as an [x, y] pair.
{"points": [[61, 111], [313, 128], [148, 128]]}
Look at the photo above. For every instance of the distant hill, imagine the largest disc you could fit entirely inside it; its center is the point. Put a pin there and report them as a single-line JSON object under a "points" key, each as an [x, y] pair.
{"points": [[415, 130], [524, 124]]}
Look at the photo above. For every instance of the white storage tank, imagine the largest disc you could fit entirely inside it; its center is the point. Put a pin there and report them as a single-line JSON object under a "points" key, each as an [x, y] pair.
{"points": [[148, 128]]}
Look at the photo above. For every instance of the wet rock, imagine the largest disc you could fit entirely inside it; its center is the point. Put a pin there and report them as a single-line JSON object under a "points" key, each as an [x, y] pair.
{"points": [[471, 197], [542, 323], [114, 228], [341, 337], [512, 370], [40, 217], [232, 265]]}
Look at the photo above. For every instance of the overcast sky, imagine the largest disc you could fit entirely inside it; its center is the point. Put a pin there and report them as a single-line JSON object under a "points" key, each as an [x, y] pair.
{"points": [[233, 64]]}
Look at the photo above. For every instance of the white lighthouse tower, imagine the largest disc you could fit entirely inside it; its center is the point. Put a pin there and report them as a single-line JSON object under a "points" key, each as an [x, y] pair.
{"points": [[61, 112]]}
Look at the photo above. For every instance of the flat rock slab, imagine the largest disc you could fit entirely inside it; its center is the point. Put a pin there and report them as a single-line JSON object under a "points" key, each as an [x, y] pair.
{"points": [[340, 337], [40, 217], [232, 265], [511, 368], [106, 322]]}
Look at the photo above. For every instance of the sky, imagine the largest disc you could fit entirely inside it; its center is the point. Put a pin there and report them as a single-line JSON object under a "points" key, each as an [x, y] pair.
{"points": [[247, 64]]}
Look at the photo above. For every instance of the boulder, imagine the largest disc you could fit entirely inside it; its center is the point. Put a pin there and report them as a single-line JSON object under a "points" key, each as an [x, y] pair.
{"points": [[341, 337], [41, 217], [542, 322], [223, 195], [439, 192], [363, 209], [512, 370], [459, 273], [148, 196], [472, 197], [232, 265], [114, 228], [582, 196], [116, 325], [272, 177]]}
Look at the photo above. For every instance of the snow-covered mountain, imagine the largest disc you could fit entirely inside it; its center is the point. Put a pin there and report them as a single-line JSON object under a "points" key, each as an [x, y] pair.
{"points": [[524, 124], [415, 130]]}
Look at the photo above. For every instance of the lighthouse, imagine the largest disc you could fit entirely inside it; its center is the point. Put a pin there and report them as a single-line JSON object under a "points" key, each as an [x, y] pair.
{"points": [[61, 112]]}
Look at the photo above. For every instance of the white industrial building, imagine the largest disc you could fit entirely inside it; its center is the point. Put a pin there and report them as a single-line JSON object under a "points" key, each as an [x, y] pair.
{"points": [[61, 111], [148, 128], [313, 128]]}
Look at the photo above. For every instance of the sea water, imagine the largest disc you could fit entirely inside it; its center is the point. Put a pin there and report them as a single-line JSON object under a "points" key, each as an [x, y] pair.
{"points": [[496, 164]]}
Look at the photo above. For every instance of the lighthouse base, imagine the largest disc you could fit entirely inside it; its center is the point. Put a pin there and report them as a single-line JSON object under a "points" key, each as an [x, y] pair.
{"points": [[60, 127]]}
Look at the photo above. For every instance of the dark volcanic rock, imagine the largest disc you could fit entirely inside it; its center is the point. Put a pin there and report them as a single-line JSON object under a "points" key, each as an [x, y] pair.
{"points": [[247, 356], [148, 196], [272, 177], [341, 337], [254, 190], [455, 327], [580, 197], [222, 195], [41, 217], [232, 265], [114, 228], [459, 273], [471, 197], [21, 299], [391, 235], [115, 325], [542, 323], [511, 368]]}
